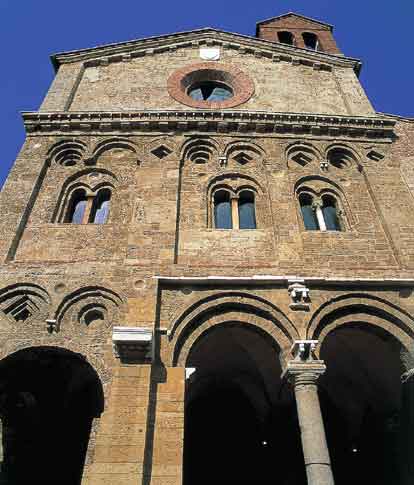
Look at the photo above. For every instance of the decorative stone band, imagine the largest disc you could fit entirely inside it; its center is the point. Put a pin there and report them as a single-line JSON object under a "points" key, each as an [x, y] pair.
{"points": [[133, 343], [228, 121]]}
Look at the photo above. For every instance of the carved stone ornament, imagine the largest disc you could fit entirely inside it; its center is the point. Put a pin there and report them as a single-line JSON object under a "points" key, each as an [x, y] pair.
{"points": [[299, 293], [133, 343], [303, 350], [210, 53]]}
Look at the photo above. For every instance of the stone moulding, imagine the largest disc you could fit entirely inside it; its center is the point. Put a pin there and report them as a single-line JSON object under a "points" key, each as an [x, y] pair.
{"points": [[133, 343], [229, 121]]}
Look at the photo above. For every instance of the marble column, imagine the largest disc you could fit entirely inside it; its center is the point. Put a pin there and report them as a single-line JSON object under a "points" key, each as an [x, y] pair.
{"points": [[303, 372]]}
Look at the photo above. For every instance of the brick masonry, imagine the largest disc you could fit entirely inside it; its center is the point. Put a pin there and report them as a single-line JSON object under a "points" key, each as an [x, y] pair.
{"points": [[160, 223]]}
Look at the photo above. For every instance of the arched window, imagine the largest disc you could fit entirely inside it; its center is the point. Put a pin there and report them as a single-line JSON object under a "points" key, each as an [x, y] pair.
{"points": [[86, 206], [77, 207], [286, 37], [308, 212], [320, 213], [311, 41], [247, 213], [100, 207], [330, 213], [222, 210]]}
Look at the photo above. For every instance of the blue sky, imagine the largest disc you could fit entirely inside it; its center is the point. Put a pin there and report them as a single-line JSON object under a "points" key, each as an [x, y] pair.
{"points": [[379, 32]]}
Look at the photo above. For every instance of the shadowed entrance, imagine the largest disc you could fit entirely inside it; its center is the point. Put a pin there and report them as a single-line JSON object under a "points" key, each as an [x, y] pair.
{"points": [[238, 428], [48, 399], [361, 402]]}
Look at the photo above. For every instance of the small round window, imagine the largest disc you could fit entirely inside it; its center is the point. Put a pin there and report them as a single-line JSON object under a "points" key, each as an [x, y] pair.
{"points": [[210, 91]]}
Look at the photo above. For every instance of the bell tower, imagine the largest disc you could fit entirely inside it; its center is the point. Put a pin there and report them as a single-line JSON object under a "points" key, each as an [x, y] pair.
{"points": [[299, 31]]}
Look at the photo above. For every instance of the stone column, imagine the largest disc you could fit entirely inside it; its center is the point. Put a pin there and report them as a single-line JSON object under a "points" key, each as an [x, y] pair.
{"points": [[303, 372]]}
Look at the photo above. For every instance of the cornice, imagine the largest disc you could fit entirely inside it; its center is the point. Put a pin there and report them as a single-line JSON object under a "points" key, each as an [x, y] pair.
{"points": [[244, 44], [228, 121]]}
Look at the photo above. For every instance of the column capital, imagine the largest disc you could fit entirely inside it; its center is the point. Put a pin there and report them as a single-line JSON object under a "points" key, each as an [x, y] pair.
{"points": [[304, 373]]}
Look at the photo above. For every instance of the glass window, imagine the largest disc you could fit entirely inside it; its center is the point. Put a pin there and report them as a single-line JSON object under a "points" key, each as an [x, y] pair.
{"points": [[310, 40], [330, 214], [247, 213], [222, 210], [309, 216], [285, 38], [100, 207], [77, 207], [210, 91]]}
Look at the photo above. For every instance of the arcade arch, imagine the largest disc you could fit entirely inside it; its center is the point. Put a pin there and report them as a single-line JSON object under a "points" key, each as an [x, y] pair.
{"points": [[49, 397]]}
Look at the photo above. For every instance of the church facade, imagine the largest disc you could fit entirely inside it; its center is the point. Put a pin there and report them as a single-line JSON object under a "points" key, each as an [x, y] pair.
{"points": [[207, 268]]}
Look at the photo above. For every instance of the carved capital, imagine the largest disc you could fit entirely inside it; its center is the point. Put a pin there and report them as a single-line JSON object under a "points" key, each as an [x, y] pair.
{"points": [[302, 374]]}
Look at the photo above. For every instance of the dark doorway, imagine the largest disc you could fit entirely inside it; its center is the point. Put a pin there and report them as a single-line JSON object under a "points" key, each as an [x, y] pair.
{"points": [[48, 399], [240, 426], [361, 402]]}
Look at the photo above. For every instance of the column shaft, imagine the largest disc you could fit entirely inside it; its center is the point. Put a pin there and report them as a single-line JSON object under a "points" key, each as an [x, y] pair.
{"points": [[315, 449]]}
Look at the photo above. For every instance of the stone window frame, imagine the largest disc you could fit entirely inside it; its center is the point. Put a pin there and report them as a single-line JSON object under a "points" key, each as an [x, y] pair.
{"points": [[241, 84], [317, 200], [234, 191], [92, 193]]}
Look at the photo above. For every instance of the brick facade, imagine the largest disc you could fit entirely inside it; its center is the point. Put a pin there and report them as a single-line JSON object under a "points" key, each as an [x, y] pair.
{"points": [[158, 263]]}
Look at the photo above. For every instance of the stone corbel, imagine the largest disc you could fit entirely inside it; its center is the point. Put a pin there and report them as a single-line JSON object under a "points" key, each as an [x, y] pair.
{"points": [[222, 162], [303, 350], [299, 293], [133, 343], [52, 325]]}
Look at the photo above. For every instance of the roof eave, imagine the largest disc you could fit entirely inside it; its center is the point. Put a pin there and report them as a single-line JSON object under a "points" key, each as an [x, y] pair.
{"points": [[59, 58]]}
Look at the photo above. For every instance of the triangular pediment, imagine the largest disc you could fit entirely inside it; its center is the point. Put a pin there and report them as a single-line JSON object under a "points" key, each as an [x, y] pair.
{"points": [[300, 21], [197, 38]]}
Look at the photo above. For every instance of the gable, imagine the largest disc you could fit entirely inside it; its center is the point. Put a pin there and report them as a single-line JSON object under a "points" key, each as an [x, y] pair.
{"points": [[294, 21]]}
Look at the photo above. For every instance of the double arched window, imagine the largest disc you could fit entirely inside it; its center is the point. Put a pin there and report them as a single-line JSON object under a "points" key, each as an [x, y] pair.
{"points": [[320, 213], [88, 207], [234, 210]]}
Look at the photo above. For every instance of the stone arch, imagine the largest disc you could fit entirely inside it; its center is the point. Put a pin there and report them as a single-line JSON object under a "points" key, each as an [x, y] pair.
{"points": [[344, 155], [319, 186], [302, 154], [83, 179], [361, 307], [88, 300], [23, 301], [237, 307], [244, 152], [200, 149], [67, 152], [49, 399], [111, 144]]}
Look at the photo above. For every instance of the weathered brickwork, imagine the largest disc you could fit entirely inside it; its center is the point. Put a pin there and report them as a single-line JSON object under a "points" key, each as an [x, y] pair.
{"points": [[159, 263]]}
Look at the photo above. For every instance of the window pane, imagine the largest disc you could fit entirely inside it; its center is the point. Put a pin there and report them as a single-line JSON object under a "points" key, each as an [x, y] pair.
{"points": [[247, 216], [102, 212], [331, 218], [222, 210], [78, 212], [100, 207], [76, 208], [309, 216]]}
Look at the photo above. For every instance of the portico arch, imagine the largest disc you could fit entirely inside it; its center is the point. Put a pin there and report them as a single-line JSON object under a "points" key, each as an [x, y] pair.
{"points": [[49, 397], [236, 407], [361, 340]]}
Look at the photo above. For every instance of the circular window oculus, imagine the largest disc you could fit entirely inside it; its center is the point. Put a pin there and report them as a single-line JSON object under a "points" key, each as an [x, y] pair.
{"points": [[210, 86], [210, 91]]}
